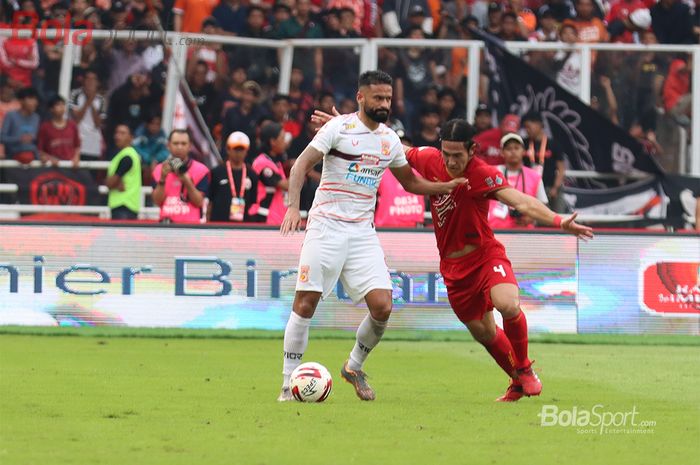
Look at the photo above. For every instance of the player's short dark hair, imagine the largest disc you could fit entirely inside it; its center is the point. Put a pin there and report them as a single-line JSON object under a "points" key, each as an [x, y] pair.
{"points": [[55, 100], [376, 77], [179, 131], [511, 15], [458, 130], [27, 92]]}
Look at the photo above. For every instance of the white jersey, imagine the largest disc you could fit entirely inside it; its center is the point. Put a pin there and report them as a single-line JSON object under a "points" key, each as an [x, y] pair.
{"points": [[354, 160]]}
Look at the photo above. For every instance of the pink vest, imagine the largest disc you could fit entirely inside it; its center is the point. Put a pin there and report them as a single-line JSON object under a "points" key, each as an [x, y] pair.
{"points": [[174, 207], [499, 215], [395, 206], [277, 207]]}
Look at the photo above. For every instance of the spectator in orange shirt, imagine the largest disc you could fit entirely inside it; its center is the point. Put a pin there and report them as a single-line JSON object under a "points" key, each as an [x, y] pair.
{"points": [[590, 28], [190, 14], [527, 21]]}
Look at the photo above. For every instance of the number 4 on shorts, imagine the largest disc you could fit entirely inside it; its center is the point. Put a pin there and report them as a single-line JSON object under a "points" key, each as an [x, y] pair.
{"points": [[499, 269]]}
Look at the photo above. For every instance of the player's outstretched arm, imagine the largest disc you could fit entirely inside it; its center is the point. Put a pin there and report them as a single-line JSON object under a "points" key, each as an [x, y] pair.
{"points": [[306, 161], [417, 185], [530, 206]]}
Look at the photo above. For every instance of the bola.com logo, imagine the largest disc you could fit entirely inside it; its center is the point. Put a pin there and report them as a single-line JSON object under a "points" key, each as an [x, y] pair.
{"points": [[597, 420]]}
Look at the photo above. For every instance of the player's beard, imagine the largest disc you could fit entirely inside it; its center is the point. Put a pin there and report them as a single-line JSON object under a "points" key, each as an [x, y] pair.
{"points": [[377, 115]]}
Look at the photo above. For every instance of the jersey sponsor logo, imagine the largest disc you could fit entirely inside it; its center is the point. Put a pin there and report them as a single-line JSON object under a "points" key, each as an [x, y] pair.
{"points": [[489, 181], [304, 274], [349, 126], [358, 168], [355, 142], [371, 182], [443, 204], [369, 159]]}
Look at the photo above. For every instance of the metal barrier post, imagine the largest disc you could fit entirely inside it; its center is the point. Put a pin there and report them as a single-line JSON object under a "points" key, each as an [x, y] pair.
{"points": [[585, 90], [286, 58], [66, 74], [176, 68], [695, 123], [473, 80]]}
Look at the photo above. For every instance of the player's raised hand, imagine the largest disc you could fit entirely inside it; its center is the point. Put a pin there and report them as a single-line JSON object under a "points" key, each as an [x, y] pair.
{"points": [[321, 117], [291, 222], [582, 232]]}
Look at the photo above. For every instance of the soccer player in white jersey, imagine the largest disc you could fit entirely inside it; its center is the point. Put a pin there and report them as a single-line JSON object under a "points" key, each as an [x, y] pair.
{"points": [[340, 239]]}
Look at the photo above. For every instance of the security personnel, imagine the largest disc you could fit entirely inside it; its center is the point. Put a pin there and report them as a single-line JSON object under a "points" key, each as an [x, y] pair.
{"points": [[124, 177]]}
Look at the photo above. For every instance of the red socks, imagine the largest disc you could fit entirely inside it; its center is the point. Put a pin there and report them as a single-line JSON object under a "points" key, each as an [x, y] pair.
{"points": [[516, 330], [502, 351]]}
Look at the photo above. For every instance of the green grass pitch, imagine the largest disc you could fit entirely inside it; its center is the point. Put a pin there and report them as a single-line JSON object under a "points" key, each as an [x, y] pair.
{"points": [[168, 398]]}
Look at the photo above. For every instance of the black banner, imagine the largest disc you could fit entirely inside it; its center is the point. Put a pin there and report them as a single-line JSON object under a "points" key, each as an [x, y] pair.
{"points": [[667, 200], [590, 141], [54, 186]]}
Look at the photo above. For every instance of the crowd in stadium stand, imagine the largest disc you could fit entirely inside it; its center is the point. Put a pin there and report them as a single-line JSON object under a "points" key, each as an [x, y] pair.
{"points": [[121, 83]]}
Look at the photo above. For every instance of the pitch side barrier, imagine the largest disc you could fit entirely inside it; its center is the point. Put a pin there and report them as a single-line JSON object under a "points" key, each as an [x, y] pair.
{"points": [[149, 275]]}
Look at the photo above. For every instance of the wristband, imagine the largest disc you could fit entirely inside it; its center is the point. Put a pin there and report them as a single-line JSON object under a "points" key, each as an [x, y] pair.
{"points": [[557, 221]]}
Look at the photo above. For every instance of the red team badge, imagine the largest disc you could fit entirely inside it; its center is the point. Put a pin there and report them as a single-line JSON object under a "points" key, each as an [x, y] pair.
{"points": [[671, 288], [386, 148]]}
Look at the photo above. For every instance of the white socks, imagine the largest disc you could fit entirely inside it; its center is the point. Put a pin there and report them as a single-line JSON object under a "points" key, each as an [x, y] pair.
{"points": [[369, 333], [296, 338]]}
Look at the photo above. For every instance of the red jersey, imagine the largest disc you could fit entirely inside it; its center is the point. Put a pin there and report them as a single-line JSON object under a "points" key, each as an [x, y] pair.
{"points": [[59, 142], [461, 217]]}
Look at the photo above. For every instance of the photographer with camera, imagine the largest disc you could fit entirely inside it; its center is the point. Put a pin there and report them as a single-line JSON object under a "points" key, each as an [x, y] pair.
{"points": [[181, 182], [522, 178]]}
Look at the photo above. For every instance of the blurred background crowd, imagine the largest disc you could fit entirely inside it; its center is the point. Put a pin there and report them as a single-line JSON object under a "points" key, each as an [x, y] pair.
{"points": [[121, 83]]}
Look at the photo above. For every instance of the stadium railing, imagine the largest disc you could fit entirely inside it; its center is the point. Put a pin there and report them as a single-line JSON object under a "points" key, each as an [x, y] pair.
{"points": [[368, 49], [369, 59]]}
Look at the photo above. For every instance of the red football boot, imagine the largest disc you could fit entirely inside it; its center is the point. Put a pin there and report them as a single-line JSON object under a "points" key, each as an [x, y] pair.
{"points": [[514, 392], [532, 386]]}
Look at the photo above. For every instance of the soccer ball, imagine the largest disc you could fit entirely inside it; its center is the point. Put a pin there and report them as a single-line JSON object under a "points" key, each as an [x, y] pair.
{"points": [[311, 382]]}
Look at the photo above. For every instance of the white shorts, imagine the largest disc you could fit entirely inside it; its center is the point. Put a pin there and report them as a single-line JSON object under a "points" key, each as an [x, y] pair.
{"points": [[350, 252]]}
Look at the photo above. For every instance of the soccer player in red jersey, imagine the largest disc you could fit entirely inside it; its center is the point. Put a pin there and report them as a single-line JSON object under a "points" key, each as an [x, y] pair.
{"points": [[474, 265]]}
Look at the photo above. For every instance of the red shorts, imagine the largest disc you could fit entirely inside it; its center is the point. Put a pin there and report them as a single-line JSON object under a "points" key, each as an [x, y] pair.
{"points": [[469, 280]]}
